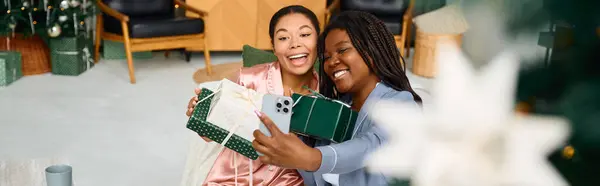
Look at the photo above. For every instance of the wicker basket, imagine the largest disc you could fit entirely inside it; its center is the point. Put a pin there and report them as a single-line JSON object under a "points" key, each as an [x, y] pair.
{"points": [[34, 52], [424, 61]]}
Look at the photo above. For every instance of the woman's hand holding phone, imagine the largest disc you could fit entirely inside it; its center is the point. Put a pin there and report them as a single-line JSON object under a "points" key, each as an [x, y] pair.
{"points": [[284, 150]]}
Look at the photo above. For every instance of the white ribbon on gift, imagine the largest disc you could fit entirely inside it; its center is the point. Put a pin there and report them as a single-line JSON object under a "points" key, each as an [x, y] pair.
{"points": [[14, 70], [47, 13], [87, 57], [68, 52], [231, 132], [75, 27], [246, 97], [31, 23], [317, 96]]}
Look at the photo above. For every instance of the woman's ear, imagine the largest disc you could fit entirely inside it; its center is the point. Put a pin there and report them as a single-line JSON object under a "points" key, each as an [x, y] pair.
{"points": [[273, 46], [373, 67], [370, 61]]}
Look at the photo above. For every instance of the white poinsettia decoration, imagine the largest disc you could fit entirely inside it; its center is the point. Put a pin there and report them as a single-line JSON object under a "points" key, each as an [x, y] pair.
{"points": [[470, 135]]}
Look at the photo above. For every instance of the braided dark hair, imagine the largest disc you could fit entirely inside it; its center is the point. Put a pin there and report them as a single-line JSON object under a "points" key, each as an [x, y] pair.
{"points": [[377, 47]]}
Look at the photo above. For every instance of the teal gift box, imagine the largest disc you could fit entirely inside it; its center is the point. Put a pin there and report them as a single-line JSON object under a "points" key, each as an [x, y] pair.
{"points": [[114, 50], [322, 118], [70, 55], [11, 67], [198, 124]]}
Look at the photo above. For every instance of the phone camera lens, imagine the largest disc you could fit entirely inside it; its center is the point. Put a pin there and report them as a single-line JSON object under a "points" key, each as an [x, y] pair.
{"points": [[285, 110], [279, 105], [286, 102]]}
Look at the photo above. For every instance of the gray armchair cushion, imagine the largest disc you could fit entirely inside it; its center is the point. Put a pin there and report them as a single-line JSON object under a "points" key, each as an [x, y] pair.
{"points": [[390, 12], [379, 8]]}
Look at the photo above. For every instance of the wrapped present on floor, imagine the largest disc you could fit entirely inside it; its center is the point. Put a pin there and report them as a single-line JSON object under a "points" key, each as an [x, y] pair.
{"points": [[70, 55], [114, 50], [322, 118], [227, 116], [10, 67]]}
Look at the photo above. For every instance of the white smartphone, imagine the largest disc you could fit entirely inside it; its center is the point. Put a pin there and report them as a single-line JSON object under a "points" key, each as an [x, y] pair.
{"points": [[279, 109]]}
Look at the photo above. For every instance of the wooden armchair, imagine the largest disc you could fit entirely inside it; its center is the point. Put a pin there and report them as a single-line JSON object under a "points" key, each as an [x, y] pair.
{"points": [[332, 6], [150, 25], [402, 40], [397, 15]]}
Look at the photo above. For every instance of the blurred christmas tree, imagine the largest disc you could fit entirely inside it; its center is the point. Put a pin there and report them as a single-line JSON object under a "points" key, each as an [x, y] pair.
{"points": [[47, 18], [568, 84], [66, 27]]}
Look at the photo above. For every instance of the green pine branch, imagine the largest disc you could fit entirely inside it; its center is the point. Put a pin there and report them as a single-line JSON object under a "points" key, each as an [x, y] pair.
{"points": [[20, 16]]}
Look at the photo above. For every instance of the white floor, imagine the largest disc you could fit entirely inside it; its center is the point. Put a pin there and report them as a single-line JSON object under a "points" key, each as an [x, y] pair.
{"points": [[112, 132]]}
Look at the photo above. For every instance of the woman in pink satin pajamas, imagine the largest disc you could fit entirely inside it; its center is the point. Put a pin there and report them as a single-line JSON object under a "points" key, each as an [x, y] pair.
{"points": [[293, 31]]}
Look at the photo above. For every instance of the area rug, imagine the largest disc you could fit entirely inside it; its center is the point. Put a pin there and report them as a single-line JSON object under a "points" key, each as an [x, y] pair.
{"points": [[30, 172], [218, 72]]}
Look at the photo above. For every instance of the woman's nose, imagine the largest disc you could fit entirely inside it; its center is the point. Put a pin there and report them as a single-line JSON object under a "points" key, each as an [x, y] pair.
{"points": [[294, 43], [332, 62]]}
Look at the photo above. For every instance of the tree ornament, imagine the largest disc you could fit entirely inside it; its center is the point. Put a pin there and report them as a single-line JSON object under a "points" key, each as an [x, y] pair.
{"points": [[75, 25], [12, 25], [62, 18], [85, 5], [74, 3], [64, 4], [47, 9], [31, 23], [26, 4], [54, 31]]}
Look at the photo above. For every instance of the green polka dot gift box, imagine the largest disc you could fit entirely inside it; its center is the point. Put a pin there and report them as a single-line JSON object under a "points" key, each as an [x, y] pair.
{"points": [[198, 124], [10, 67], [320, 117], [70, 56]]}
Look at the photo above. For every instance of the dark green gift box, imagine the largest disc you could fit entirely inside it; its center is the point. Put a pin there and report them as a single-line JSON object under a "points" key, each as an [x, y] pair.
{"points": [[10, 67], [323, 118], [114, 50], [198, 124], [70, 55]]}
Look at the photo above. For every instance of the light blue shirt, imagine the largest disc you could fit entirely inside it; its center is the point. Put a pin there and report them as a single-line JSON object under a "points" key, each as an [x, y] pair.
{"points": [[347, 159]]}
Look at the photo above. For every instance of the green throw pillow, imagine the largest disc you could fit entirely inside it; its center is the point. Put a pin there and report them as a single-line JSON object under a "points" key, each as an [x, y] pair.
{"points": [[253, 56]]}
